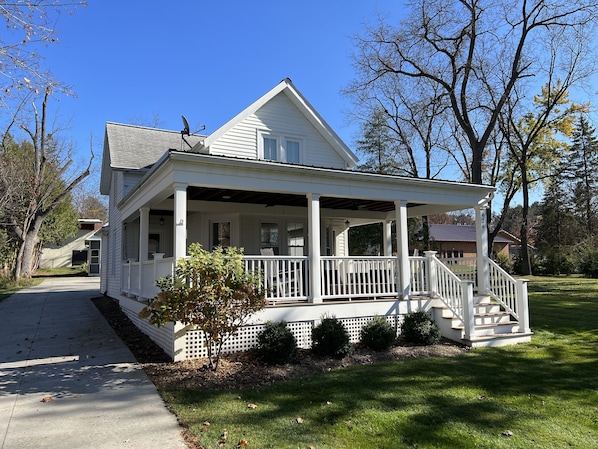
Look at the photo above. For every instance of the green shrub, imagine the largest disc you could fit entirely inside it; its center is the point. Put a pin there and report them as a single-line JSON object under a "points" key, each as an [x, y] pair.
{"points": [[276, 343], [420, 328], [589, 264], [331, 338], [378, 334], [210, 290]]}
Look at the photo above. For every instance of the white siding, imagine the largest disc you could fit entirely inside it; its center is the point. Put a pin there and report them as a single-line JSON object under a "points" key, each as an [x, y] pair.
{"points": [[114, 247], [279, 116]]}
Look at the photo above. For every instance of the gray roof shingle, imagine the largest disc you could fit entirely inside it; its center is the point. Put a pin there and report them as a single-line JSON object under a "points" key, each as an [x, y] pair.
{"points": [[135, 147]]}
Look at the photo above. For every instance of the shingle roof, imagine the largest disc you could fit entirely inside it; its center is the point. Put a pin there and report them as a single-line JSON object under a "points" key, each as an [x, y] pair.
{"points": [[459, 233], [137, 147]]}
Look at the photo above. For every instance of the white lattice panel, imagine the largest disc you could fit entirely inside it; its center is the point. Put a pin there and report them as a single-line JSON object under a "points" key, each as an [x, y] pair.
{"points": [[246, 338]]}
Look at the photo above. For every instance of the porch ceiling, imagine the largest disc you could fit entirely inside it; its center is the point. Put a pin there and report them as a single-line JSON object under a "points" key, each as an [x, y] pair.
{"points": [[283, 199]]}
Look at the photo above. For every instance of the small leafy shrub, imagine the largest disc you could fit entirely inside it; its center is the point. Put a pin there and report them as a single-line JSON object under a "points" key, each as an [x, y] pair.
{"points": [[589, 264], [276, 343], [210, 290], [419, 328], [504, 261], [378, 334], [331, 338]]}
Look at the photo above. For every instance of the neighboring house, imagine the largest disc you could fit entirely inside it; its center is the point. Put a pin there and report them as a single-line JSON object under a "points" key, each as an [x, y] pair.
{"points": [[459, 241], [78, 250], [277, 181]]}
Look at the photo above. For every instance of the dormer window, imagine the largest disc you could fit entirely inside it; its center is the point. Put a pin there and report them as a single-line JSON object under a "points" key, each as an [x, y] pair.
{"points": [[280, 148]]}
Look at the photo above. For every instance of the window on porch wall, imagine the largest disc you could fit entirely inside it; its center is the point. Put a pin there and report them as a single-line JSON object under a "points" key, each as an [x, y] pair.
{"points": [[295, 239], [221, 234], [270, 236]]}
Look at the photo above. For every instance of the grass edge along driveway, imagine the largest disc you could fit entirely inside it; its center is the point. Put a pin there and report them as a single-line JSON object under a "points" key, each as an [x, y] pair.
{"points": [[539, 395]]}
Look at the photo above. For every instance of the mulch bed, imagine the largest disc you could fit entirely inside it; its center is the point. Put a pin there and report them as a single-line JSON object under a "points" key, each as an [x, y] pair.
{"points": [[243, 370]]}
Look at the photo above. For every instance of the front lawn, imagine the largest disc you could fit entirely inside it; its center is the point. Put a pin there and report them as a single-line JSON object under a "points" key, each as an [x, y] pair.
{"points": [[538, 395]]}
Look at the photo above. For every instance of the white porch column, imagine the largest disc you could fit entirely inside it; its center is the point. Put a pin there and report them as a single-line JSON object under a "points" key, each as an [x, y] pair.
{"points": [[143, 245], [313, 231], [403, 249], [180, 221], [387, 232], [143, 233], [482, 249]]}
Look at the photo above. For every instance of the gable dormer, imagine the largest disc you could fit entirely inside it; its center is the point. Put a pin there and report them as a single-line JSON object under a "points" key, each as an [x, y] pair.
{"points": [[281, 126]]}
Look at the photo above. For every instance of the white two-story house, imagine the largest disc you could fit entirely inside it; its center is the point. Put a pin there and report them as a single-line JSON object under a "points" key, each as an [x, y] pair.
{"points": [[277, 181]]}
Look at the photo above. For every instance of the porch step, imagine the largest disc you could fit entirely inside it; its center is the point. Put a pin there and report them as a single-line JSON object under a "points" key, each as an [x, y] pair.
{"points": [[493, 325], [497, 340]]}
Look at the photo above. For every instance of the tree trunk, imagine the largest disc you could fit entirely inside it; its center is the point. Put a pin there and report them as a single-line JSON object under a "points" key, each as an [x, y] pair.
{"points": [[526, 265], [26, 259]]}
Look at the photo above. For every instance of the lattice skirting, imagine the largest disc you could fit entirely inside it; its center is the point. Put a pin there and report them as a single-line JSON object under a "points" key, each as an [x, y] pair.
{"points": [[247, 337]]}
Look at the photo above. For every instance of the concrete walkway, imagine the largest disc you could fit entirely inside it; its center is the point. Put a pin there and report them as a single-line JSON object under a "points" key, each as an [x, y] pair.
{"points": [[67, 380]]}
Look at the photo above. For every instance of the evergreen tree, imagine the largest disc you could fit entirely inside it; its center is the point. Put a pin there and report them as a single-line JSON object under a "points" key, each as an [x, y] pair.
{"points": [[377, 146], [582, 175], [558, 230]]}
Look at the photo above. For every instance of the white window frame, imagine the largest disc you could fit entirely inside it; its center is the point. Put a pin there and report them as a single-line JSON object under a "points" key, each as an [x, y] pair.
{"points": [[284, 148], [281, 143]]}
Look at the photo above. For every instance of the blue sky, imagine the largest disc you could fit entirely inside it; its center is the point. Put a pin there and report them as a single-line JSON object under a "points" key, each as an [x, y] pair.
{"points": [[130, 61]]}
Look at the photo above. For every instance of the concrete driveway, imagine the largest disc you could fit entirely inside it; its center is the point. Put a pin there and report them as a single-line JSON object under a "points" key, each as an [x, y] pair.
{"points": [[67, 380]]}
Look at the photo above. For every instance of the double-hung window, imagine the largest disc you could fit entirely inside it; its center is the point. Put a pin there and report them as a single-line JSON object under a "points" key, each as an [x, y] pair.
{"points": [[270, 145], [292, 150], [280, 148]]}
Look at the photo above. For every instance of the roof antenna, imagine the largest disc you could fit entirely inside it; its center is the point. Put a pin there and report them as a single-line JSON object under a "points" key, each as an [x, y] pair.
{"points": [[186, 130]]}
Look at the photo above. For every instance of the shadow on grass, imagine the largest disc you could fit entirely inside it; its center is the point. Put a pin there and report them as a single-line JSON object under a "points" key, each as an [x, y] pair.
{"points": [[457, 402]]}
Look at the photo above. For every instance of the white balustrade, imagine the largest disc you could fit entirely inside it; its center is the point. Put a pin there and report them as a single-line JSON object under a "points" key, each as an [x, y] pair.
{"points": [[503, 287], [358, 277], [285, 277]]}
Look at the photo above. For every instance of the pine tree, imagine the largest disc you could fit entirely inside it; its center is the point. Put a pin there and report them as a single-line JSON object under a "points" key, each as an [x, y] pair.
{"points": [[558, 230], [377, 146], [582, 175]]}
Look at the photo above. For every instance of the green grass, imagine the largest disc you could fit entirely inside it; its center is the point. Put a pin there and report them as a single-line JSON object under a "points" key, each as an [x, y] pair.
{"points": [[8, 286], [62, 271], [544, 392]]}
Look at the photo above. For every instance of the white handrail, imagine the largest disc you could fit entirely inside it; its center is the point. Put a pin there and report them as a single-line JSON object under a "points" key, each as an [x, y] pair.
{"points": [[448, 287], [503, 287]]}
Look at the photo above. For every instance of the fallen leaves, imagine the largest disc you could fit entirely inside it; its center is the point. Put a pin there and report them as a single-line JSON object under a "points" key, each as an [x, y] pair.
{"points": [[47, 399]]}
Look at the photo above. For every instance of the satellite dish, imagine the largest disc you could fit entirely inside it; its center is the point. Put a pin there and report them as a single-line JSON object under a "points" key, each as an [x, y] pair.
{"points": [[185, 130]]}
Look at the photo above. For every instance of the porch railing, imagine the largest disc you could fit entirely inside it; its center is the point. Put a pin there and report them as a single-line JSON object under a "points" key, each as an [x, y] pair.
{"points": [[454, 292], [358, 277], [285, 277], [464, 267], [511, 293]]}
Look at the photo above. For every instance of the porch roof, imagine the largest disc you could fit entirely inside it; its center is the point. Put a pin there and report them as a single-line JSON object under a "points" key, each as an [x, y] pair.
{"points": [[233, 180]]}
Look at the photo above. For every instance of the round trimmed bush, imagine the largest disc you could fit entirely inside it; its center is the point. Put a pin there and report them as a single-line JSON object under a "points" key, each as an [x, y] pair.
{"points": [[331, 338], [420, 328], [378, 334], [276, 343]]}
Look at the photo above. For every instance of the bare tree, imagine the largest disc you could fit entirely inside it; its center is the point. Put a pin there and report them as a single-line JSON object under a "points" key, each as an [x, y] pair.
{"points": [[47, 180], [474, 51], [30, 25]]}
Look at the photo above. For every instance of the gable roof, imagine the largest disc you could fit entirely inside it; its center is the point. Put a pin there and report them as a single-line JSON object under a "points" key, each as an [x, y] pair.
{"points": [[463, 233], [132, 147], [287, 87]]}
